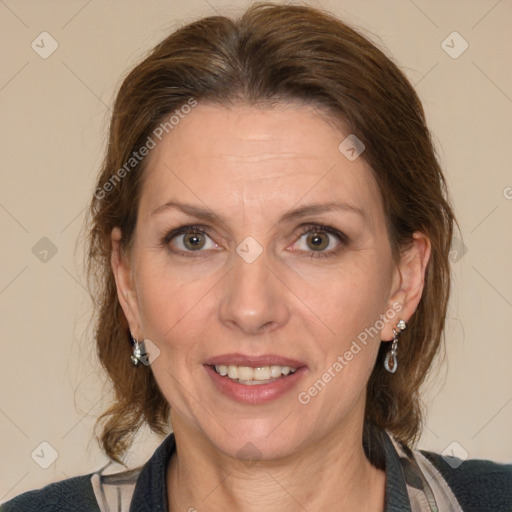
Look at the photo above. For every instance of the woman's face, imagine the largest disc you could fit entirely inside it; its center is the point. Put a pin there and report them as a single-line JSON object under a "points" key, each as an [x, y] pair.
{"points": [[259, 244]]}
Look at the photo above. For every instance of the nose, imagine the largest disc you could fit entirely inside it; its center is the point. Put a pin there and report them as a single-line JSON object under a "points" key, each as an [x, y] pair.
{"points": [[254, 299]]}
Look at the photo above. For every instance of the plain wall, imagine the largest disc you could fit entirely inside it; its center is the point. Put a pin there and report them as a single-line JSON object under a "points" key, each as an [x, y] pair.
{"points": [[54, 123]]}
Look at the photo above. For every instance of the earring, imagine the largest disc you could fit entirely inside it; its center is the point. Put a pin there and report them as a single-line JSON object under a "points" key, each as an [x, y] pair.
{"points": [[137, 352], [390, 362]]}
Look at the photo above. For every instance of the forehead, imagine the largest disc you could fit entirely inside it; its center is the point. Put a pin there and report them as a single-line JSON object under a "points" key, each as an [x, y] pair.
{"points": [[224, 156]]}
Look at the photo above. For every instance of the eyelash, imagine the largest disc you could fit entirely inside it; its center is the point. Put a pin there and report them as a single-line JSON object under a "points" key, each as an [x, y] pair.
{"points": [[203, 230]]}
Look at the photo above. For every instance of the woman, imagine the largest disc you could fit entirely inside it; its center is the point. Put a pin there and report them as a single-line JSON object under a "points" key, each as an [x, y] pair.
{"points": [[269, 238]]}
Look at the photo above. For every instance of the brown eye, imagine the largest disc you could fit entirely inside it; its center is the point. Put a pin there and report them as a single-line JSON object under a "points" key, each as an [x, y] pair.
{"points": [[189, 239], [193, 241], [317, 241]]}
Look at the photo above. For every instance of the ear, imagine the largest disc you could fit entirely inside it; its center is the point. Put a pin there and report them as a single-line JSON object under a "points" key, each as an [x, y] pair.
{"points": [[408, 283], [123, 273]]}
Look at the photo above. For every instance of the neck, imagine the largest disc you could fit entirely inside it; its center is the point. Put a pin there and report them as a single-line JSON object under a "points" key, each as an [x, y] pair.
{"points": [[341, 478]]}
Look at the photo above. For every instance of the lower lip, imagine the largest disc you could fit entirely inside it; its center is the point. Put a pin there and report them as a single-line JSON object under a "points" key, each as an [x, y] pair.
{"points": [[257, 393]]}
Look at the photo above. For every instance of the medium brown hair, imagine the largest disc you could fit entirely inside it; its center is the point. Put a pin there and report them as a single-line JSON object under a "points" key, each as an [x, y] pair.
{"points": [[275, 53]]}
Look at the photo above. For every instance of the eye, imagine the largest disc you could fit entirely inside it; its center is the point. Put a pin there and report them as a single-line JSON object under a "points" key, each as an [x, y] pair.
{"points": [[187, 239], [322, 240], [317, 240]]}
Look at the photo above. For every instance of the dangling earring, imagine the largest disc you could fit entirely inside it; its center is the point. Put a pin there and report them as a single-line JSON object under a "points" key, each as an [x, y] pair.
{"points": [[137, 352], [390, 362]]}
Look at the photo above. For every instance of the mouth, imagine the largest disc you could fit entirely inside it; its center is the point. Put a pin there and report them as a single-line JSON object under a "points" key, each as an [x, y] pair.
{"points": [[250, 376], [254, 379]]}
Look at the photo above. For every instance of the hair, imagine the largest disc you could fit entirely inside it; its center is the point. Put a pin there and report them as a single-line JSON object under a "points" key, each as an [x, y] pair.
{"points": [[270, 54]]}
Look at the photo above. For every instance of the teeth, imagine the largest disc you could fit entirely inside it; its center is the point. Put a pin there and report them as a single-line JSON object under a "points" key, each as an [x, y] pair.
{"points": [[275, 371], [250, 376], [244, 373], [233, 372], [261, 373]]}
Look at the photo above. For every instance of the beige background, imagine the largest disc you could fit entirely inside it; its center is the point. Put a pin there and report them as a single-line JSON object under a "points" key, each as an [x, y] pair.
{"points": [[54, 118]]}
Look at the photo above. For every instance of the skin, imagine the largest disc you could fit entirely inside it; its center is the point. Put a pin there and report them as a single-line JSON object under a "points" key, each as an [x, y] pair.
{"points": [[252, 165]]}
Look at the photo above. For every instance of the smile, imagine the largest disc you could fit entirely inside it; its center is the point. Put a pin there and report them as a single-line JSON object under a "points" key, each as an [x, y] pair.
{"points": [[253, 376]]}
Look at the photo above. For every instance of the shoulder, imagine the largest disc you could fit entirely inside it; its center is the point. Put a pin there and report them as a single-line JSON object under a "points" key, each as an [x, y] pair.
{"points": [[113, 489], [71, 494], [478, 485]]}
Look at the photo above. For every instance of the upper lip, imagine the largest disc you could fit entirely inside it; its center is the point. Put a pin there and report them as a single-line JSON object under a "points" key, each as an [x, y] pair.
{"points": [[254, 361]]}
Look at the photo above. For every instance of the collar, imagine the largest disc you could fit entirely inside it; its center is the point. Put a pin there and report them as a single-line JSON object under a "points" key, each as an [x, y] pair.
{"points": [[150, 494]]}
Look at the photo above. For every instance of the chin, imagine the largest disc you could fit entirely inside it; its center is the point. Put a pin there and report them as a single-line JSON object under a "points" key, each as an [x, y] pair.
{"points": [[254, 440]]}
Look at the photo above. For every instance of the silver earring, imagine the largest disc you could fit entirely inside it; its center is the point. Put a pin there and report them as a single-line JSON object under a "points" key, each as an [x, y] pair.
{"points": [[137, 352], [390, 362]]}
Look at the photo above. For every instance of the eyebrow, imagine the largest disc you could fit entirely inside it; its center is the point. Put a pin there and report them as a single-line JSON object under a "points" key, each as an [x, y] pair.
{"points": [[303, 211], [207, 215]]}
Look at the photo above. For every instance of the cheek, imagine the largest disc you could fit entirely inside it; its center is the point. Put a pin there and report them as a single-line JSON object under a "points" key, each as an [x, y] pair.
{"points": [[348, 298], [171, 311], [174, 316], [351, 308], [171, 302]]}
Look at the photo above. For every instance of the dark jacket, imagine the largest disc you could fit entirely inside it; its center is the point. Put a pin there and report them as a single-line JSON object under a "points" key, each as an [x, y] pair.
{"points": [[478, 485]]}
